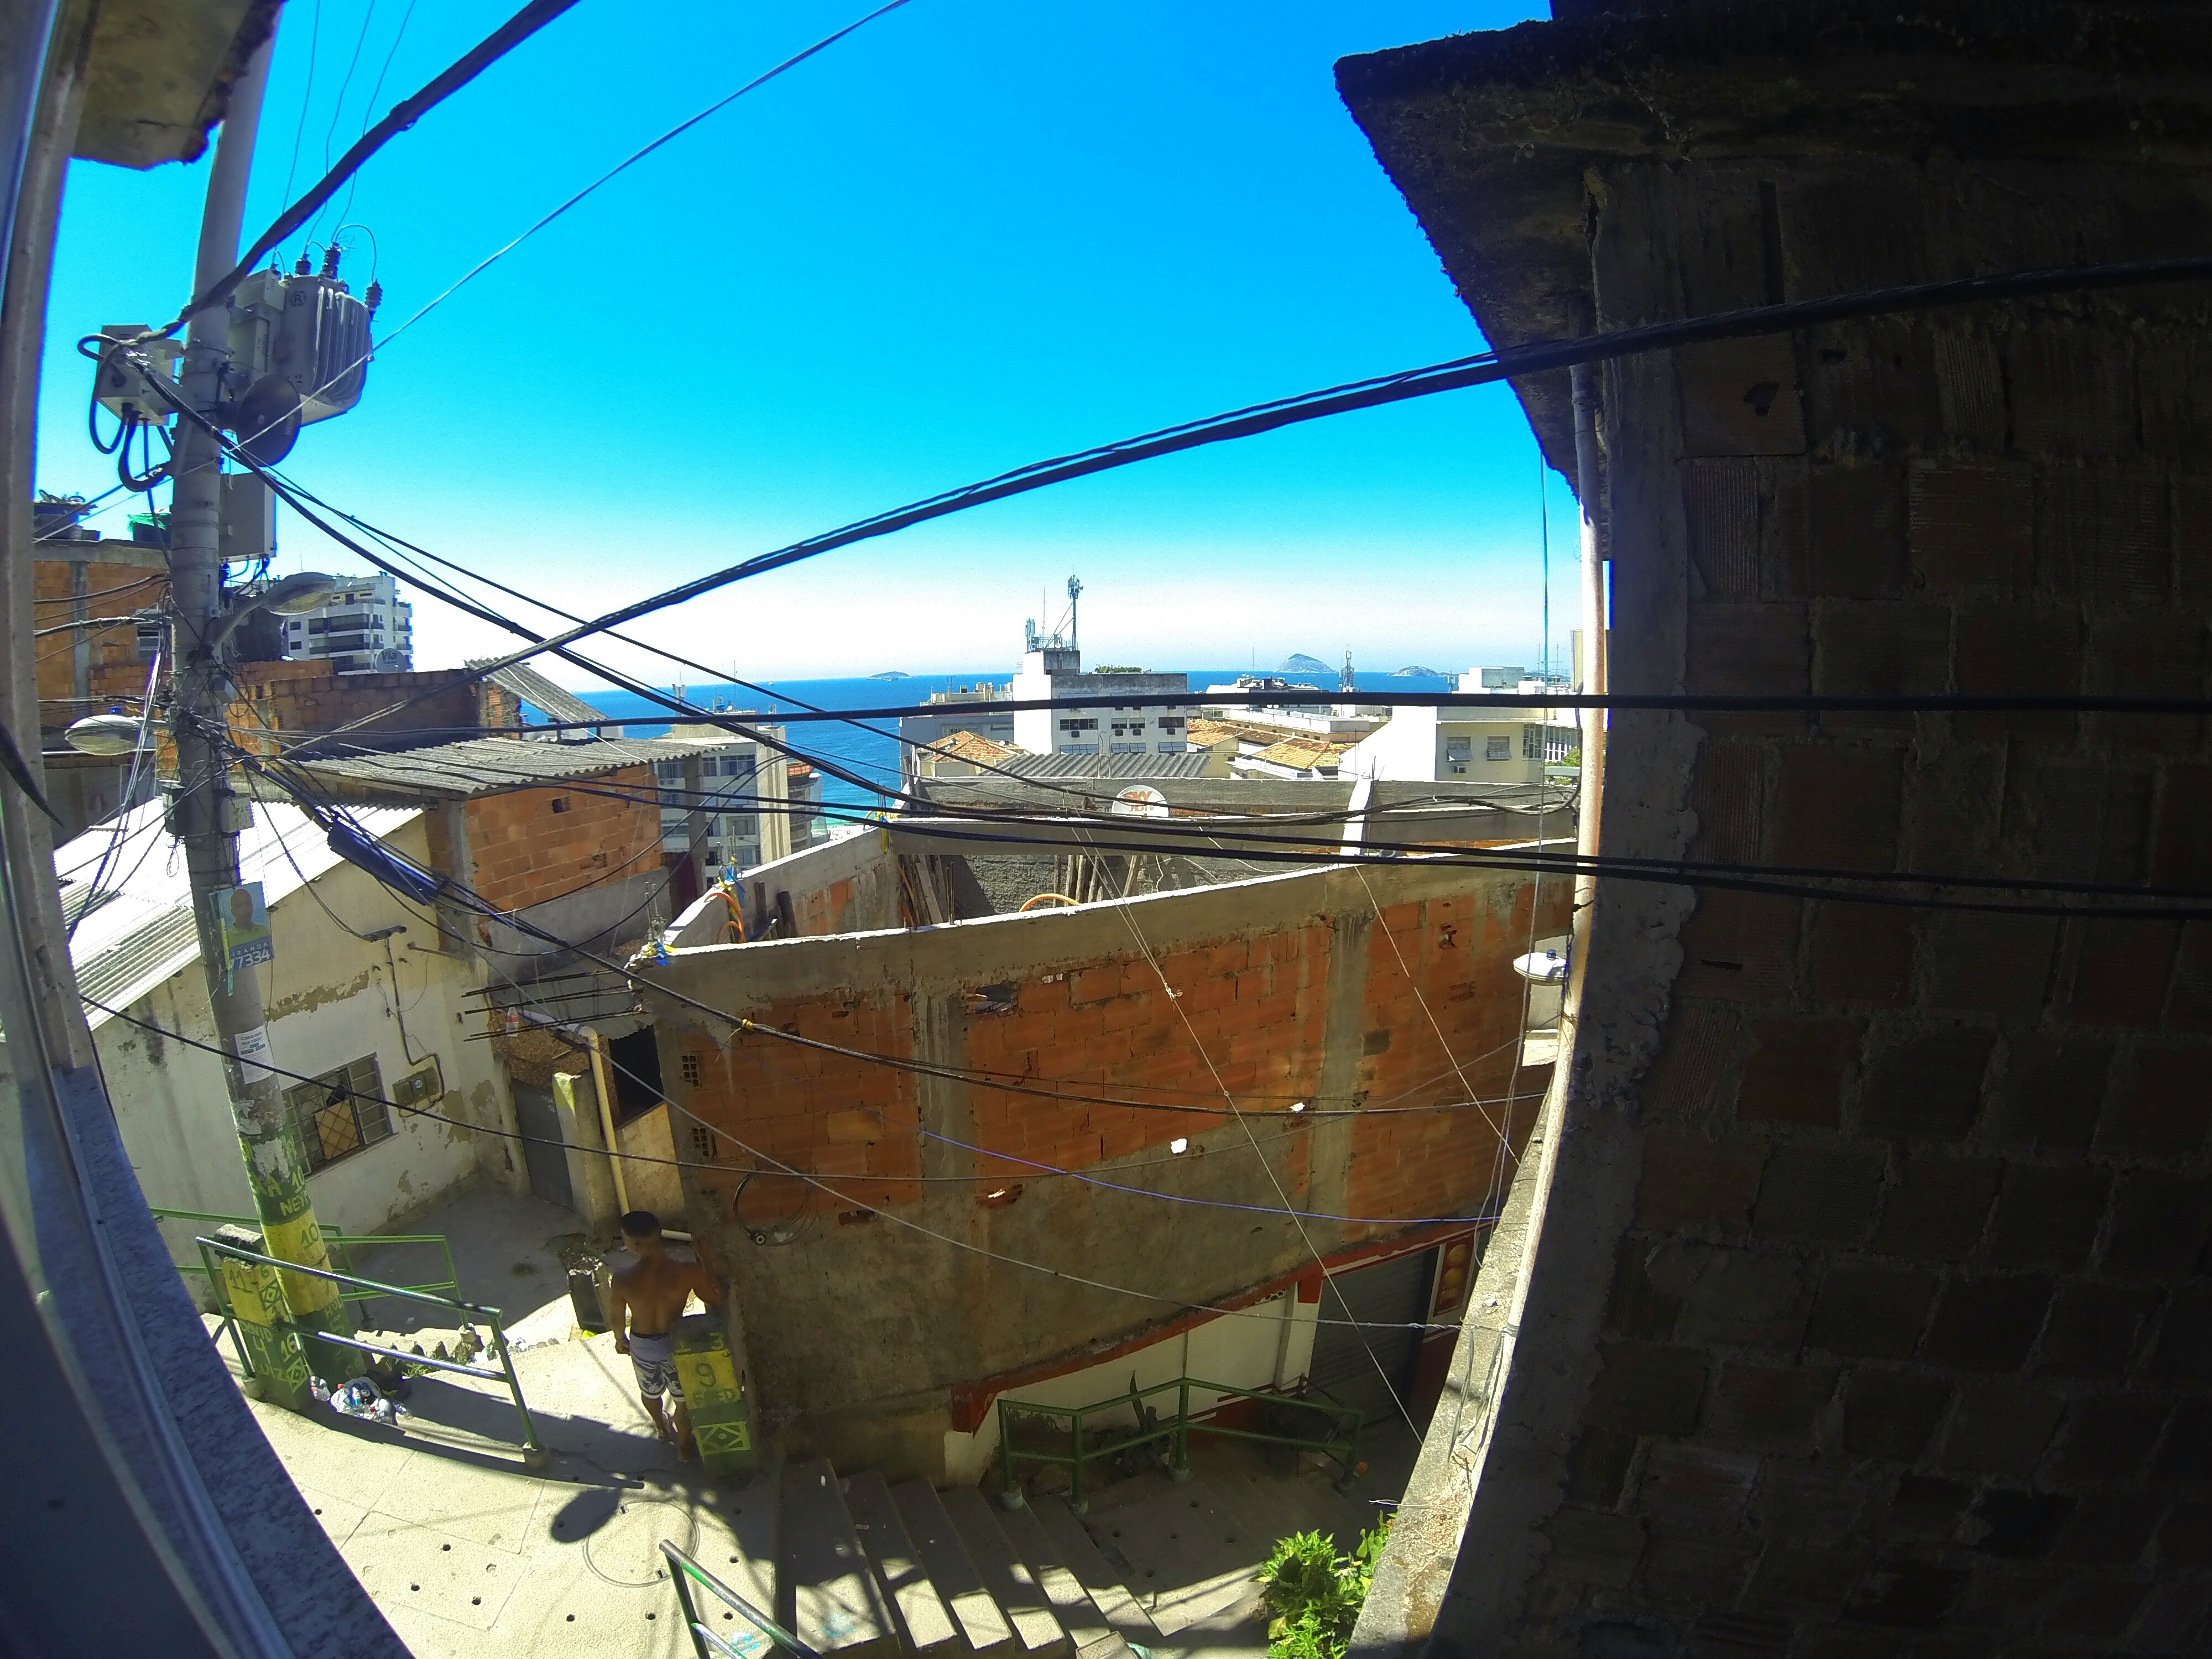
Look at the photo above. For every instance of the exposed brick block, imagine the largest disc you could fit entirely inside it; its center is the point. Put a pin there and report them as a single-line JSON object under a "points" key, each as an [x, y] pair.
{"points": [[1741, 398], [2108, 1529], [1938, 1208], [2109, 1437], [2048, 1215], [1728, 793], [2052, 1094], [1731, 1295], [1926, 1509], [1871, 1311], [2072, 391], [1806, 1578], [2158, 654], [1748, 649], [2015, 652], [2095, 1329], [2164, 1108], [2181, 827], [1768, 1408], [1862, 953], [1720, 504], [2190, 1007], [1687, 1072], [2107, 536], [1890, 650], [1972, 526], [2000, 1428], [2184, 1539], [1822, 1193], [1597, 1467], [1595, 1547], [2183, 1353], [1689, 1571], [1815, 1499], [2161, 1222], [1858, 531], [1691, 1182], [1647, 1388], [1987, 1324], [1907, 1593], [1985, 964], [1930, 1086], [1739, 947], [1796, 1071], [1836, 808], [1697, 1485], [1891, 1414], [2186, 1455], [2017, 1526], [2120, 975], [2192, 541]]}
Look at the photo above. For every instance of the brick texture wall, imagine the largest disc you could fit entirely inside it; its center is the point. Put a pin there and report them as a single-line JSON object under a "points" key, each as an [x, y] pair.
{"points": [[111, 653], [1282, 999], [1879, 1309], [528, 846]]}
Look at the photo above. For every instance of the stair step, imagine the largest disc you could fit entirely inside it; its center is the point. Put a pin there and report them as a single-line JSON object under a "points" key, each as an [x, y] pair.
{"points": [[1076, 1547], [827, 1595], [1087, 1627], [945, 1559], [1037, 1631], [750, 1517], [926, 1624]]}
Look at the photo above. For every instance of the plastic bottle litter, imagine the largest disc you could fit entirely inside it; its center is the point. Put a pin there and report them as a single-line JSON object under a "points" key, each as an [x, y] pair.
{"points": [[358, 1398], [320, 1389]]}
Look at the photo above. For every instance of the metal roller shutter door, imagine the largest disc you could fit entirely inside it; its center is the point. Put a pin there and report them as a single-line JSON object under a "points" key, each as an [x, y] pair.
{"points": [[1390, 1300]]}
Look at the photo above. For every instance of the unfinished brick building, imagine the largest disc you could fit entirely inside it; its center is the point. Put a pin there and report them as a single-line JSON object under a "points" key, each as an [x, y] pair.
{"points": [[873, 1219], [1863, 1310]]}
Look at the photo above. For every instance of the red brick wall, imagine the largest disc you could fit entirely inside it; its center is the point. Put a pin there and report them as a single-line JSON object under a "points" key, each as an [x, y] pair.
{"points": [[313, 696], [531, 845], [113, 652]]}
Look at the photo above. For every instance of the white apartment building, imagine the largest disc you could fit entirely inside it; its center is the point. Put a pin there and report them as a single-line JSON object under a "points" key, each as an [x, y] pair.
{"points": [[740, 791], [1471, 746], [1052, 669], [365, 627]]}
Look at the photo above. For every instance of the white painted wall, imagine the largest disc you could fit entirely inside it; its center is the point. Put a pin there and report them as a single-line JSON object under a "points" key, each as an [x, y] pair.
{"points": [[1268, 1345], [330, 998], [1414, 746]]}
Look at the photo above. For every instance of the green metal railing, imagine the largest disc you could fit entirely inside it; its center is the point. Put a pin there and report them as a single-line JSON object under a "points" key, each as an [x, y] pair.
{"points": [[340, 1245], [496, 1344], [1343, 1445], [707, 1644]]}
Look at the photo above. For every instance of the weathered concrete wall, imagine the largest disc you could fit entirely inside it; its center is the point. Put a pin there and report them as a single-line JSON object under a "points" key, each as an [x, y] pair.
{"points": [[1376, 993], [330, 1001], [1865, 1314], [847, 885]]}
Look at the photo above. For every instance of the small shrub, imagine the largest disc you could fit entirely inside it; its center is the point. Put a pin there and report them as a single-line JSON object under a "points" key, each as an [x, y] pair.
{"points": [[1315, 1594]]}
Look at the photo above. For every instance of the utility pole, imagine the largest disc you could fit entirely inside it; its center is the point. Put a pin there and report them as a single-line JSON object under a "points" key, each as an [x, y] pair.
{"points": [[204, 813]]}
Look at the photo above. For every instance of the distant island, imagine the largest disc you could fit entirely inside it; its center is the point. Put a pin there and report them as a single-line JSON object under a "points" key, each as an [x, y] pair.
{"points": [[891, 674], [1299, 663], [1416, 672]]}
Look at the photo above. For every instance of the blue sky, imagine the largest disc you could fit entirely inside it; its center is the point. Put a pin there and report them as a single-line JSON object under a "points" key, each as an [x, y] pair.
{"points": [[973, 234]]}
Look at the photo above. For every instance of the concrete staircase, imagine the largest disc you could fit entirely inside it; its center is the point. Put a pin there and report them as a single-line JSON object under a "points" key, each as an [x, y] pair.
{"points": [[859, 1569]]}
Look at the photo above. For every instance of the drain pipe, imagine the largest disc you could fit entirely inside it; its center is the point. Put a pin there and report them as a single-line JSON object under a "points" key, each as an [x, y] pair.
{"points": [[1595, 677]]}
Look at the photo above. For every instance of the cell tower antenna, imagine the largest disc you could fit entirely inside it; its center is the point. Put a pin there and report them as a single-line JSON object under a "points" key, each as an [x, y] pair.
{"points": [[1074, 591]]}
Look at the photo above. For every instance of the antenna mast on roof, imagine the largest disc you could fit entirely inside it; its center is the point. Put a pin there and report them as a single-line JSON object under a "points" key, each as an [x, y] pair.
{"points": [[1074, 591]]}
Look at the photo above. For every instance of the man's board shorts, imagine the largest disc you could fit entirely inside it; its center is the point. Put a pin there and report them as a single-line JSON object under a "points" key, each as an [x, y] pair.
{"points": [[653, 1359]]}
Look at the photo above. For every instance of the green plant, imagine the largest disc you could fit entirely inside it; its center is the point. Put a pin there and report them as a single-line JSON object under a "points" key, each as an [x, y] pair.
{"points": [[1315, 1594]]}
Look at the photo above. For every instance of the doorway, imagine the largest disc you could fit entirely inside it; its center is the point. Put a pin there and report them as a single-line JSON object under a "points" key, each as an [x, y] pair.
{"points": [[1390, 1302], [539, 1120]]}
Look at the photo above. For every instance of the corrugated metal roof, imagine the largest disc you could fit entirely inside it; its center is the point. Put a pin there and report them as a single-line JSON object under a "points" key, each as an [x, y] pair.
{"points": [[1186, 765], [142, 930], [483, 765], [540, 693]]}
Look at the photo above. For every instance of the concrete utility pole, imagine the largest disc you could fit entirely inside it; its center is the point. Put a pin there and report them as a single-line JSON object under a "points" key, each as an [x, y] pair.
{"points": [[204, 813]]}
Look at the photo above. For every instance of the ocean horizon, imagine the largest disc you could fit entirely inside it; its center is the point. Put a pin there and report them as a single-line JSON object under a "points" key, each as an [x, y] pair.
{"points": [[872, 750]]}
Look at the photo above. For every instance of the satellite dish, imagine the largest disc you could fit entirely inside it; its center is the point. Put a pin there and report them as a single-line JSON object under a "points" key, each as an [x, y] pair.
{"points": [[1140, 800], [1542, 968], [267, 419]]}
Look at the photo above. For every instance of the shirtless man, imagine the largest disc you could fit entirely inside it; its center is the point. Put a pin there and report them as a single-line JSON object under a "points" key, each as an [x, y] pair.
{"points": [[647, 1299]]}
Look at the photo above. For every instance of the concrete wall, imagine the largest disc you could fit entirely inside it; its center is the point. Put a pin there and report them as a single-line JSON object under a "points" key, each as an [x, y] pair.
{"points": [[330, 1001], [846, 886], [1416, 744], [1865, 1312], [1286, 989]]}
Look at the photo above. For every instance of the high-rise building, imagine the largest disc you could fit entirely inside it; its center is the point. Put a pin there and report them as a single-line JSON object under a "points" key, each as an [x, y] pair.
{"points": [[364, 629]]}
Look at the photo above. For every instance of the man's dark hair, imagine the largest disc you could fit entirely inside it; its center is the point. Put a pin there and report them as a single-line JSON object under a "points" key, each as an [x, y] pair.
{"points": [[640, 1224]]}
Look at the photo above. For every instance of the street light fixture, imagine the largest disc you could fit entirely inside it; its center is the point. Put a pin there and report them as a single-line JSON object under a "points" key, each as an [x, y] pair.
{"points": [[295, 594]]}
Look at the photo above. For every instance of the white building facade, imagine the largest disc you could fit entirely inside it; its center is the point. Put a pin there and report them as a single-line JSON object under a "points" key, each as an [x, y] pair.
{"points": [[364, 629], [1131, 728], [1505, 746], [740, 793]]}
